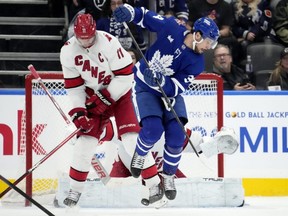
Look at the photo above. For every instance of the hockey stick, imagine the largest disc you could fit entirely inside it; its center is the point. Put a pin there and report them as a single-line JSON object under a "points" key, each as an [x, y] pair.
{"points": [[96, 164], [26, 196], [36, 75], [41, 161], [161, 90], [100, 170]]}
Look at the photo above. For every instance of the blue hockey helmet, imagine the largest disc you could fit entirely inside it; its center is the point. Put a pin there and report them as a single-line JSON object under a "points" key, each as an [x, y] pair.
{"points": [[208, 29]]}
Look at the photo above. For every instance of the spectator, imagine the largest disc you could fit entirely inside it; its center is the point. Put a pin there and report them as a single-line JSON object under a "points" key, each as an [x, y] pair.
{"points": [[279, 76], [280, 22], [107, 23], [234, 78], [221, 12], [218, 10], [135, 55], [252, 22], [273, 4], [178, 8], [76, 7], [88, 6]]}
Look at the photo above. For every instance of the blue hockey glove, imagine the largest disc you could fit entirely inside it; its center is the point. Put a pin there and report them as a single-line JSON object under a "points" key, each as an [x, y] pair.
{"points": [[150, 78], [124, 13]]}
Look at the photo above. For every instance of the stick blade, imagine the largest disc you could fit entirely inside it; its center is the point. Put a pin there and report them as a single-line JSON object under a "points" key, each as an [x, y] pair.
{"points": [[100, 170]]}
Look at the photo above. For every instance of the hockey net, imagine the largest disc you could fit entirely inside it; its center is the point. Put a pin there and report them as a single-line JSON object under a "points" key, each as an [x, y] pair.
{"points": [[43, 128]]}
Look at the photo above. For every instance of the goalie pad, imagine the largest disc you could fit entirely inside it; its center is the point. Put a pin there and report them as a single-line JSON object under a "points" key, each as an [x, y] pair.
{"points": [[191, 192], [225, 141]]}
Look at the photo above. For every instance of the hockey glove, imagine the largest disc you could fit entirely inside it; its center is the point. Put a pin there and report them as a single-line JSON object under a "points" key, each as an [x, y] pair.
{"points": [[80, 119], [151, 78], [99, 102], [124, 13]]}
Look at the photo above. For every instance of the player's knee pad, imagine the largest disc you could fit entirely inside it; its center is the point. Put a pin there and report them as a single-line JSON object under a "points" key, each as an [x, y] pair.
{"points": [[83, 151], [129, 141], [171, 158], [152, 129], [173, 149], [174, 135]]}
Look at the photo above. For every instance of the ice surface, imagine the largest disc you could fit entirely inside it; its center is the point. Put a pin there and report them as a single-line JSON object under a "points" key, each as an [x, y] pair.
{"points": [[254, 206]]}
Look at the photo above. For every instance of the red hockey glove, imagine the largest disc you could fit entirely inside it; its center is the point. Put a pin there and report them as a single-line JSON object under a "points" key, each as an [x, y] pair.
{"points": [[99, 102], [80, 119]]}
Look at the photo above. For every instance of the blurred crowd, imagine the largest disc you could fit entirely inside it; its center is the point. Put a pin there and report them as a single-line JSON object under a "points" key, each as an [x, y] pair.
{"points": [[242, 23]]}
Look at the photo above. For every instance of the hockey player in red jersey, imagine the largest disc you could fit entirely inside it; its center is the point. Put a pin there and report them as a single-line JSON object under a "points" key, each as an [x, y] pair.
{"points": [[98, 78]]}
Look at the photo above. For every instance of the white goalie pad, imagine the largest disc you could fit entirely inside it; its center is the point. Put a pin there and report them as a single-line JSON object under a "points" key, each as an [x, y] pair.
{"points": [[225, 141], [191, 192]]}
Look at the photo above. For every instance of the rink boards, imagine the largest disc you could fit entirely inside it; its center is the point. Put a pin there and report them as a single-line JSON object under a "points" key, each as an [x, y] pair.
{"points": [[259, 117]]}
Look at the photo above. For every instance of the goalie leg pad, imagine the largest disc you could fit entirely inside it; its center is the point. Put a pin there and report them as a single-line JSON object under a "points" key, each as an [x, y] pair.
{"points": [[193, 192]]}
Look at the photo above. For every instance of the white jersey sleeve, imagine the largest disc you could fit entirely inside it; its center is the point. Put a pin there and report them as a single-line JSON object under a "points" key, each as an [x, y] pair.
{"points": [[120, 64], [76, 94]]}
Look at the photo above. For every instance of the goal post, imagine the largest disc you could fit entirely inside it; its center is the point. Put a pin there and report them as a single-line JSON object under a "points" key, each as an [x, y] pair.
{"points": [[38, 104], [217, 82], [43, 127], [204, 104]]}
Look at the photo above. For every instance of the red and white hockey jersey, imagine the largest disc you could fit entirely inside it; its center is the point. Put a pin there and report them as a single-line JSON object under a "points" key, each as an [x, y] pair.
{"points": [[106, 64]]}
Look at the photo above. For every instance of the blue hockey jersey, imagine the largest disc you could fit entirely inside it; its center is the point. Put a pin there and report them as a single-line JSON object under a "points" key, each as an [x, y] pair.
{"points": [[168, 55]]}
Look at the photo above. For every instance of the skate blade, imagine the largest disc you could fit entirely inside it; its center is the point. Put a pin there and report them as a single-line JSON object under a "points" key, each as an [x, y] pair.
{"points": [[161, 203]]}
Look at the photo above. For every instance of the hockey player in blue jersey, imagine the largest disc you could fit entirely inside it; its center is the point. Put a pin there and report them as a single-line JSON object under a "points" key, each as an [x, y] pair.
{"points": [[175, 58]]}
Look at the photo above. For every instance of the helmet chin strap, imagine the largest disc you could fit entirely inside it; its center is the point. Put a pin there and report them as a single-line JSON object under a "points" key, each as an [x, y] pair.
{"points": [[91, 43], [195, 41]]}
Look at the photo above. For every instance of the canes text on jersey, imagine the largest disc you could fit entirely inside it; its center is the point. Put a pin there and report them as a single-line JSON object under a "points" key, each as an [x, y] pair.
{"points": [[86, 66]]}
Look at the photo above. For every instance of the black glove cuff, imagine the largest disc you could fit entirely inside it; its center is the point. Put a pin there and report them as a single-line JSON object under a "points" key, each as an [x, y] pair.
{"points": [[78, 114]]}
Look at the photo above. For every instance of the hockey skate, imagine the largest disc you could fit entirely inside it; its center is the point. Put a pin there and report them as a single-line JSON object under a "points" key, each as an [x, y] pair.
{"points": [[160, 203], [155, 194], [72, 199], [169, 186], [137, 164]]}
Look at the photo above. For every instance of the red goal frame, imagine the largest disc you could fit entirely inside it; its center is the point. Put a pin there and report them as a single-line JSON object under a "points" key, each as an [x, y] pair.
{"points": [[44, 76]]}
